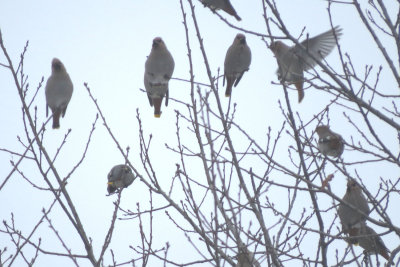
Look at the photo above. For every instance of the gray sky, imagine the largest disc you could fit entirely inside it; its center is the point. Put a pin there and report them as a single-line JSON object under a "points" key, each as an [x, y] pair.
{"points": [[105, 43]]}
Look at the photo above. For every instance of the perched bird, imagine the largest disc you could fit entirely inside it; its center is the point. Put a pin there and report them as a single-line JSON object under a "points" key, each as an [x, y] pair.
{"points": [[351, 217], [292, 61], [329, 142], [58, 91], [371, 242], [237, 61], [246, 259], [158, 71], [225, 5], [120, 176]]}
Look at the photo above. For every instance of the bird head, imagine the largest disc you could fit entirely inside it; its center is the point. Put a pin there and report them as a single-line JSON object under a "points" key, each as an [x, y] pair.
{"points": [[353, 186], [57, 65], [322, 129], [276, 47], [158, 42], [240, 39]]}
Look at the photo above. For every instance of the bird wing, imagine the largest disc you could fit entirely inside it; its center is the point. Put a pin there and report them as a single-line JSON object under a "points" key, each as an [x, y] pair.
{"points": [[150, 100], [319, 47], [238, 78]]}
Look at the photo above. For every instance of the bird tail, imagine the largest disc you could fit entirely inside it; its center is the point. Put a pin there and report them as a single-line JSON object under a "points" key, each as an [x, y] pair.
{"points": [[56, 119], [381, 249], [237, 17], [300, 90], [157, 107], [384, 254], [229, 84], [231, 11]]}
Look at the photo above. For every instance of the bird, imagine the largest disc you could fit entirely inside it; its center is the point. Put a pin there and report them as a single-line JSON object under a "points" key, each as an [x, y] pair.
{"points": [[293, 60], [159, 67], [58, 91], [120, 176], [329, 142], [237, 61], [351, 217], [246, 259], [371, 242], [225, 5]]}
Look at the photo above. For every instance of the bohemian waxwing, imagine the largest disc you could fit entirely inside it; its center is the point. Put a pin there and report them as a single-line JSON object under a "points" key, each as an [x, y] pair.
{"points": [[371, 242], [351, 217], [293, 60], [329, 142], [58, 91], [120, 176], [237, 61], [158, 71]]}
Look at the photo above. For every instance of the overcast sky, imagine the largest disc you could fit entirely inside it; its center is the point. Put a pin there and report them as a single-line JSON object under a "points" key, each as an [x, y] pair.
{"points": [[105, 43]]}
